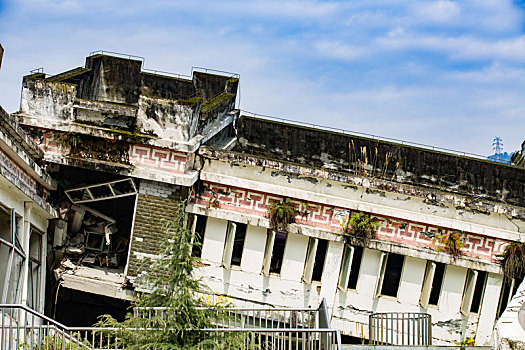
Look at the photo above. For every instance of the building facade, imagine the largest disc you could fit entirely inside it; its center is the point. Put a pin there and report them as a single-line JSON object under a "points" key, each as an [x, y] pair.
{"points": [[126, 145], [24, 215]]}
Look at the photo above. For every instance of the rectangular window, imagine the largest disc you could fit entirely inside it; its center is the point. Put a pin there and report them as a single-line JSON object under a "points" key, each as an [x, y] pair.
{"points": [[479, 290], [437, 283], [234, 244], [199, 228], [508, 290], [392, 274], [12, 256], [473, 291], [356, 266], [238, 244], [274, 252], [468, 291], [351, 265], [278, 252], [34, 275], [310, 260], [320, 257], [432, 282]]}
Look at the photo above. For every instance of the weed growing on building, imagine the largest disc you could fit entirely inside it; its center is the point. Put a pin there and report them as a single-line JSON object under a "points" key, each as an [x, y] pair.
{"points": [[513, 261], [281, 214], [359, 229]]}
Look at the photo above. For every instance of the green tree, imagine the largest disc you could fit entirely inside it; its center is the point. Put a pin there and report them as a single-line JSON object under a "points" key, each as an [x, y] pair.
{"points": [[172, 285]]}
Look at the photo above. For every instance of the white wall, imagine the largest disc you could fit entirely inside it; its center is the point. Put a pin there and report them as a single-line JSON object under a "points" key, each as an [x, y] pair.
{"points": [[350, 309], [489, 308]]}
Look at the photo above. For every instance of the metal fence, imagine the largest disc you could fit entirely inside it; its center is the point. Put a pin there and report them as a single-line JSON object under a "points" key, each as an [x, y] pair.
{"points": [[249, 317], [238, 328], [400, 328]]}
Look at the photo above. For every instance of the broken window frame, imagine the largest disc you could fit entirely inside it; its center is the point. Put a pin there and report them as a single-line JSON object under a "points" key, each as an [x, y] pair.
{"points": [[510, 288], [428, 285], [228, 244], [198, 236], [320, 250], [12, 279], [383, 270], [346, 267], [477, 297], [350, 256], [310, 260], [269, 252], [92, 198], [468, 291], [34, 274]]}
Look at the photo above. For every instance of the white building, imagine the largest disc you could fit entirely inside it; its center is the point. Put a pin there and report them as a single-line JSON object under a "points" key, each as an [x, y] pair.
{"points": [[24, 215], [180, 138]]}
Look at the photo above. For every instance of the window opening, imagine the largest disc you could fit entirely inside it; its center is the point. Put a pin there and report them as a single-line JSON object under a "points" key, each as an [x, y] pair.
{"points": [[320, 257], [310, 260], [238, 244], [392, 274], [355, 267], [437, 283], [278, 252], [5, 225], [34, 275], [199, 229], [507, 292], [478, 291]]}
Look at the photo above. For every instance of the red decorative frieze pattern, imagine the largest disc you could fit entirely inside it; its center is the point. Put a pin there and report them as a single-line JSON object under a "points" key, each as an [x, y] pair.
{"points": [[330, 218], [157, 159], [142, 156], [15, 173]]}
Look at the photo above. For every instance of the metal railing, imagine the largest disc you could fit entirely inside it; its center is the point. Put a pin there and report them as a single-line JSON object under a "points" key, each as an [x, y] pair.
{"points": [[400, 328], [249, 317], [248, 328]]}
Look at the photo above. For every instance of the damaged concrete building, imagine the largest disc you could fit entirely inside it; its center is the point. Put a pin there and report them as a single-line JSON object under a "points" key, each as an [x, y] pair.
{"points": [[125, 145], [24, 215]]}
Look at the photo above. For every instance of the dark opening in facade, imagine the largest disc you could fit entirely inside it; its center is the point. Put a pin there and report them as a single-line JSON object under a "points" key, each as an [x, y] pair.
{"points": [[392, 277], [478, 291], [437, 283], [278, 252], [238, 244], [320, 256], [355, 267], [200, 228]]}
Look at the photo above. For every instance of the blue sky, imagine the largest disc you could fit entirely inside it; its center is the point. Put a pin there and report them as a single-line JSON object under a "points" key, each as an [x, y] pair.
{"points": [[444, 73]]}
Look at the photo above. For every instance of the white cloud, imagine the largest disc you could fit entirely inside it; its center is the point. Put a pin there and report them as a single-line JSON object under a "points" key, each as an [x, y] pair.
{"points": [[338, 50], [438, 11]]}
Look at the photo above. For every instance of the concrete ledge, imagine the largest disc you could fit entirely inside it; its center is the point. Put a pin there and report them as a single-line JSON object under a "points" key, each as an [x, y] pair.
{"points": [[400, 347]]}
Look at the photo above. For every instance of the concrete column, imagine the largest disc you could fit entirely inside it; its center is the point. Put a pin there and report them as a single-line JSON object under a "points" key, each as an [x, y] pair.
{"points": [[489, 308], [411, 280], [253, 251], [214, 237], [294, 257], [332, 265]]}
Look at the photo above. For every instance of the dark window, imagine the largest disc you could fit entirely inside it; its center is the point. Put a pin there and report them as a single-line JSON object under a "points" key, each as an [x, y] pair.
{"points": [[478, 292], [200, 228], [320, 256], [278, 252], [437, 283], [238, 244], [394, 266], [354, 269], [506, 293]]}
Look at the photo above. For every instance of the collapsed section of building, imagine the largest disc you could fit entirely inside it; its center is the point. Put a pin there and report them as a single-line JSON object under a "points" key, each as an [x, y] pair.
{"points": [[126, 145]]}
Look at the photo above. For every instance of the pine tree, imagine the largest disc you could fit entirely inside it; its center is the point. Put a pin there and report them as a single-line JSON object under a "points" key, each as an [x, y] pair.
{"points": [[174, 287]]}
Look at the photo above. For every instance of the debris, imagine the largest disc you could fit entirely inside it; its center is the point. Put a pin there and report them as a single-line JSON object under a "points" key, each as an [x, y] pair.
{"points": [[59, 229]]}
